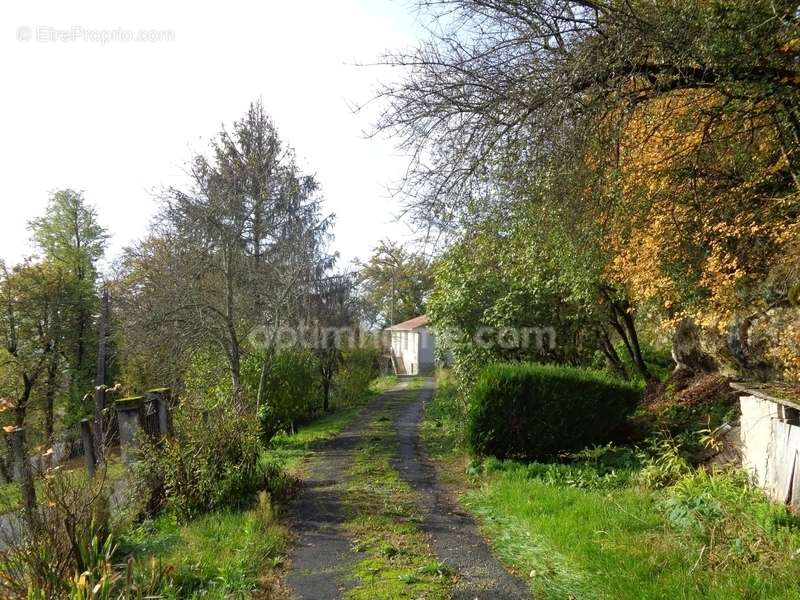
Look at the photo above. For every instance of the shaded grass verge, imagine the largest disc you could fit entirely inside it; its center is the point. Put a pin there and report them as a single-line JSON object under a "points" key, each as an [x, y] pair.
{"points": [[224, 554]]}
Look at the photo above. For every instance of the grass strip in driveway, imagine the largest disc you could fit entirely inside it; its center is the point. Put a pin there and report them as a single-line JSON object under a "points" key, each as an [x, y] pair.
{"points": [[384, 521], [290, 451]]}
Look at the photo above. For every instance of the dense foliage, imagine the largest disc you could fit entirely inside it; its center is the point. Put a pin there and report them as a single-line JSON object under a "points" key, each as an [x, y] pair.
{"points": [[293, 392], [359, 367], [238, 251], [395, 283], [597, 520], [47, 323], [66, 536], [658, 143], [210, 462], [532, 411], [498, 283], [231, 299]]}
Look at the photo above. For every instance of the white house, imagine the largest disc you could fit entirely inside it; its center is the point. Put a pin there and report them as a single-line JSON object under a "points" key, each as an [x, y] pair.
{"points": [[412, 346]]}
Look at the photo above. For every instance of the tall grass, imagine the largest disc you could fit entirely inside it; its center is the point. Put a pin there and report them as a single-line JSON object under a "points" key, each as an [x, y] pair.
{"points": [[215, 556]]}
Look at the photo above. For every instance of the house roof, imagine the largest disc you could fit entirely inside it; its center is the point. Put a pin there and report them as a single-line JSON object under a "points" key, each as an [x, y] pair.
{"points": [[411, 324], [769, 392]]}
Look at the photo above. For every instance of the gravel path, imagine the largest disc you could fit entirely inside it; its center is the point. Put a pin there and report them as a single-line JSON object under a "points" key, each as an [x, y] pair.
{"points": [[323, 556]]}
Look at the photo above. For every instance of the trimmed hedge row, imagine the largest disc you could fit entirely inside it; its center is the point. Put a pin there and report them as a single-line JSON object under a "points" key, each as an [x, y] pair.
{"points": [[528, 410]]}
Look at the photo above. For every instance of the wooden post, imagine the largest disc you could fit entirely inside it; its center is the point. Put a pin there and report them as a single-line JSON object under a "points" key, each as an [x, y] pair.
{"points": [[23, 468], [87, 439], [129, 419], [100, 380]]}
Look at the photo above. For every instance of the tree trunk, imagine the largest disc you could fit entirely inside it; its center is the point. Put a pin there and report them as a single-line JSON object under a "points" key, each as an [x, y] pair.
{"points": [[621, 319], [22, 403], [612, 358], [233, 350], [266, 367], [236, 383], [50, 399], [638, 360], [6, 466], [80, 350], [326, 393], [686, 350], [28, 491]]}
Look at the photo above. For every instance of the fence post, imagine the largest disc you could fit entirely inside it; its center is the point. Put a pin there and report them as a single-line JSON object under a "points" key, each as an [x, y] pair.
{"points": [[100, 421], [129, 419], [87, 439], [23, 467], [162, 399]]}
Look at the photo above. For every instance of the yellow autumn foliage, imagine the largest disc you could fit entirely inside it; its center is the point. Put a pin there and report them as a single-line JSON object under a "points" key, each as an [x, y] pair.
{"points": [[705, 223]]}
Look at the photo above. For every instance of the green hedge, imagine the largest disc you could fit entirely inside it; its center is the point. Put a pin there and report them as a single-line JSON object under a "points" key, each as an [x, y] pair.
{"points": [[528, 410]]}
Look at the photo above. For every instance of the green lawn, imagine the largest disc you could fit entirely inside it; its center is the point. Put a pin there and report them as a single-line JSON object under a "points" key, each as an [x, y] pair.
{"points": [[590, 531], [216, 556]]}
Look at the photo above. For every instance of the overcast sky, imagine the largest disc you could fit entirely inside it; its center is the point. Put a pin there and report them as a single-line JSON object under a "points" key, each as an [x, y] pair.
{"points": [[86, 108]]}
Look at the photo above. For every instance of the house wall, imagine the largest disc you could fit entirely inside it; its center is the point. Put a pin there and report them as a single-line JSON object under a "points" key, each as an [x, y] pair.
{"points": [[427, 345], [405, 344], [416, 348], [757, 418], [771, 448]]}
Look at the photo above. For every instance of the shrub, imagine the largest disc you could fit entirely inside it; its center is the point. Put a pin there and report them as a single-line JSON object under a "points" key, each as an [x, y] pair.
{"points": [[530, 410], [359, 367], [735, 521], [293, 392], [208, 463], [206, 379], [664, 459]]}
